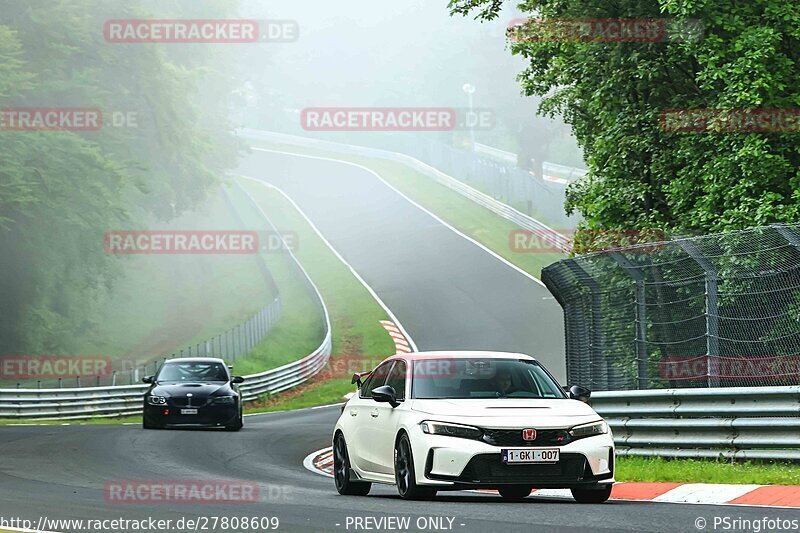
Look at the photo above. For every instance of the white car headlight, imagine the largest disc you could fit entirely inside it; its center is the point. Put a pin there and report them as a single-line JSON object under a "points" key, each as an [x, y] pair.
{"points": [[156, 400], [450, 430], [587, 430]]}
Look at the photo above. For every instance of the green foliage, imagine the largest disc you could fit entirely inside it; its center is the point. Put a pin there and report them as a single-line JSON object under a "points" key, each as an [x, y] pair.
{"points": [[613, 93], [659, 469], [60, 191]]}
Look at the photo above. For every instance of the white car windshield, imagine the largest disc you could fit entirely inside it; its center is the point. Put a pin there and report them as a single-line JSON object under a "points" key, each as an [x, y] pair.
{"points": [[461, 378]]}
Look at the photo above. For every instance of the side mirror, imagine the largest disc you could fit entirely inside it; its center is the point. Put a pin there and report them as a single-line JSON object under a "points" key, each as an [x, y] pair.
{"points": [[147, 379], [237, 379], [385, 394], [582, 394]]}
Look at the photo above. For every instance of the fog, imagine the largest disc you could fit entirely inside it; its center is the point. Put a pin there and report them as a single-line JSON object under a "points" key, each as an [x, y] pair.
{"points": [[404, 54], [151, 136]]}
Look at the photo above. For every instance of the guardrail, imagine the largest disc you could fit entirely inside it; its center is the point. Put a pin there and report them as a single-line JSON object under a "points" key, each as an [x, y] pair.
{"points": [[736, 423], [120, 401], [100, 402], [499, 208], [509, 213]]}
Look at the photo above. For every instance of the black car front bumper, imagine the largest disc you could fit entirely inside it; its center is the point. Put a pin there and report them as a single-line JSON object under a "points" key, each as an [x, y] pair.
{"points": [[207, 416]]}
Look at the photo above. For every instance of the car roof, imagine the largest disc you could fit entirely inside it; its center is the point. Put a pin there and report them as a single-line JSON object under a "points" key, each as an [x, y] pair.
{"points": [[195, 360], [455, 354]]}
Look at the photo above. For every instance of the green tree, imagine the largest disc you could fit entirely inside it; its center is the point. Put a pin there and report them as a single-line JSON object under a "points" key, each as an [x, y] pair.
{"points": [[60, 191], [613, 94]]}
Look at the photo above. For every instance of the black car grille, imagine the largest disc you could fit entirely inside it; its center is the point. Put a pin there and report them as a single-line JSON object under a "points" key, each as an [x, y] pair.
{"points": [[513, 437], [182, 401], [490, 468]]}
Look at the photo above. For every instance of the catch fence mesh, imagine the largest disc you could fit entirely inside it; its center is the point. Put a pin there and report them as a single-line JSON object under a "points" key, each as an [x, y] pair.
{"points": [[712, 311]]}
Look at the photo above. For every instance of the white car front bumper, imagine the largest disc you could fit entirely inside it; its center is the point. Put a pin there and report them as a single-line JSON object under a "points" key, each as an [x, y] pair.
{"points": [[458, 462]]}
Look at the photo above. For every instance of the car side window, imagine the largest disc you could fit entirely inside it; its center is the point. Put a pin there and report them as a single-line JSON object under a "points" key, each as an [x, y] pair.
{"points": [[376, 379], [397, 379]]}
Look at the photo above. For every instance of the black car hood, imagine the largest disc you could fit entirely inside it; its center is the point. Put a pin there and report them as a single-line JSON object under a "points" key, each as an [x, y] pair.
{"points": [[197, 390]]}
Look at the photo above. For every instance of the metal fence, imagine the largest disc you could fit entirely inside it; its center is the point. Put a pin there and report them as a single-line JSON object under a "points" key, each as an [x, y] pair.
{"points": [[230, 345], [236, 342], [761, 423], [713, 311]]}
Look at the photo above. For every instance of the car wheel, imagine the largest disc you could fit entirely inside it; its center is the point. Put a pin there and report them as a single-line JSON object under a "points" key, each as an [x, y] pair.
{"points": [[341, 471], [514, 494], [236, 426], [147, 425], [598, 495], [404, 475]]}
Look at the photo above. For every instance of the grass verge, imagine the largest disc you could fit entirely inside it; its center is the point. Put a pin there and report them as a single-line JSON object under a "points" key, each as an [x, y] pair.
{"points": [[300, 329], [87, 421], [706, 471], [359, 341]]}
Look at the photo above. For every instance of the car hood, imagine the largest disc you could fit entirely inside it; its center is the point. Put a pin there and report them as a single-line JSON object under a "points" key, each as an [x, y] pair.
{"points": [[508, 411], [197, 390]]}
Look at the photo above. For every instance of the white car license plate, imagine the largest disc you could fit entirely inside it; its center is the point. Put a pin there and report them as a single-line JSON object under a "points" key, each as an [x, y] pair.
{"points": [[188, 411], [531, 456]]}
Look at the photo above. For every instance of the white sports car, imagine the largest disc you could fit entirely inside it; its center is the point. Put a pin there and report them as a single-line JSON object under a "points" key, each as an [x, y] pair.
{"points": [[470, 420]]}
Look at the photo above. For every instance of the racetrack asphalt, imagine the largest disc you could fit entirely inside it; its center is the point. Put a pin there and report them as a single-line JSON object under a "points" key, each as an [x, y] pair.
{"points": [[60, 472], [447, 292]]}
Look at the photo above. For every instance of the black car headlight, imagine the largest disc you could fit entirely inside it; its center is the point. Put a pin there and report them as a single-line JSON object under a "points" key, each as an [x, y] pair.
{"points": [[450, 430], [224, 400], [589, 430], [156, 400]]}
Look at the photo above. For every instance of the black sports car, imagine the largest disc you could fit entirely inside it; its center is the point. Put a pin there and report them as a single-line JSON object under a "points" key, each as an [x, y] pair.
{"points": [[193, 392]]}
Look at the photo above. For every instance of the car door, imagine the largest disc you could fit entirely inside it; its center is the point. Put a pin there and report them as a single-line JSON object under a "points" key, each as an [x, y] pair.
{"points": [[387, 419], [363, 419]]}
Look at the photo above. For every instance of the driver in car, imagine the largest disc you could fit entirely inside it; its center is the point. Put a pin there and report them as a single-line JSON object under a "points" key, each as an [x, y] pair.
{"points": [[503, 382]]}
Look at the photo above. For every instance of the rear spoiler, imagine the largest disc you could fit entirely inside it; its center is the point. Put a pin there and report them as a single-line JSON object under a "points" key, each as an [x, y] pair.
{"points": [[357, 377]]}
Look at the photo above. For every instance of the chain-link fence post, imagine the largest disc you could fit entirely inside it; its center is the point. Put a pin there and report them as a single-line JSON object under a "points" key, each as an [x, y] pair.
{"points": [[643, 379], [711, 310]]}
